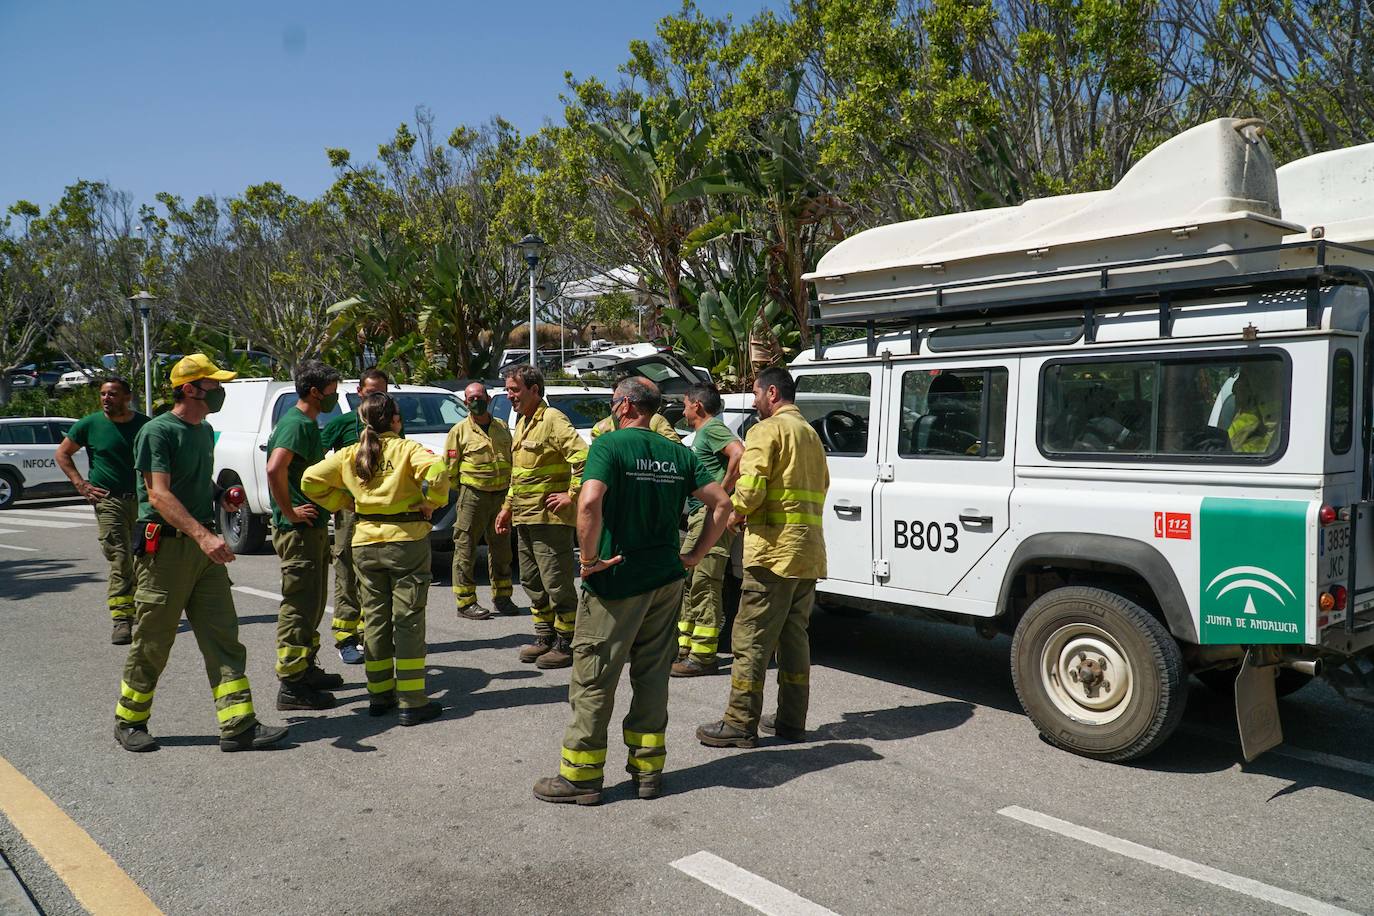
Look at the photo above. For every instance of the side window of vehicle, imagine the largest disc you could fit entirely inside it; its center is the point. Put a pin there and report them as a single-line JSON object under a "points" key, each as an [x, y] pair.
{"points": [[1219, 408], [28, 434], [59, 431], [953, 413], [837, 405], [285, 401], [1342, 401], [6, 433]]}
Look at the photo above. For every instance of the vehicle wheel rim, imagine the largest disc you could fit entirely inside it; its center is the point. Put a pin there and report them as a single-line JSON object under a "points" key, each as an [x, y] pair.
{"points": [[1086, 675], [6, 492], [235, 521]]}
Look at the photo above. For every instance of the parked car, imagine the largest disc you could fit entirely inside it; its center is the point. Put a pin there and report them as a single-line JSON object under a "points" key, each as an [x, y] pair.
{"points": [[583, 405], [27, 462], [252, 408], [82, 376]]}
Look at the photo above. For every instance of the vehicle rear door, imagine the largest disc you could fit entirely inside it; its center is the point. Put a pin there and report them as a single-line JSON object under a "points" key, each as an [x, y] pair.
{"points": [[947, 474]]}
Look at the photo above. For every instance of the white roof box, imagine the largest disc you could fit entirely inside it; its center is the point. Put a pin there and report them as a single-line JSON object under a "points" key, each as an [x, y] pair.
{"points": [[1211, 189], [1333, 195]]}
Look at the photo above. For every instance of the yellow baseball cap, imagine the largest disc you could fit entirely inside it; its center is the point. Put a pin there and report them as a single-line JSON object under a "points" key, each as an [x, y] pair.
{"points": [[197, 366]]}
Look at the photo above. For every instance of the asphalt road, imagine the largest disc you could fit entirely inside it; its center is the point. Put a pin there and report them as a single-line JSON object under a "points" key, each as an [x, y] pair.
{"points": [[924, 789]]}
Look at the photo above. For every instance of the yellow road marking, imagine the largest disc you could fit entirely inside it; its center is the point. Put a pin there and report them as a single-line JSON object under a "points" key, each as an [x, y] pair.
{"points": [[94, 879]]}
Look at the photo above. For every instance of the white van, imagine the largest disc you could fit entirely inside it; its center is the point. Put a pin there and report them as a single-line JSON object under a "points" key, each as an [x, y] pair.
{"points": [[252, 408], [1130, 428]]}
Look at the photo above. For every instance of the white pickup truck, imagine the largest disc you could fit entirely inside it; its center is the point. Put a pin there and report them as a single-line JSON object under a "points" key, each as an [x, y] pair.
{"points": [[252, 408]]}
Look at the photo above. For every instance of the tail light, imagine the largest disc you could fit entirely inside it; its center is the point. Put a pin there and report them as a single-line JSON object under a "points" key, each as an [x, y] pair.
{"points": [[1338, 594], [1327, 515], [1327, 601]]}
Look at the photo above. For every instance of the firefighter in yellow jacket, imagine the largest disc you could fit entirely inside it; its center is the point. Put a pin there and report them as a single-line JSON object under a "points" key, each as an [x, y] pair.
{"points": [[780, 495], [394, 486], [658, 423], [478, 457], [547, 458]]}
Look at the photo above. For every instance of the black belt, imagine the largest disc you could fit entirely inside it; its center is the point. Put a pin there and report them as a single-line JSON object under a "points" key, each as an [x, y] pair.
{"points": [[396, 518]]}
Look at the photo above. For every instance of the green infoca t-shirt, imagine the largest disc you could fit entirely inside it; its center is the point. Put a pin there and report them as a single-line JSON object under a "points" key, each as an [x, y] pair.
{"points": [[169, 445], [299, 435], [344, 430], [110, 447], [708, 445], [647, 481]]}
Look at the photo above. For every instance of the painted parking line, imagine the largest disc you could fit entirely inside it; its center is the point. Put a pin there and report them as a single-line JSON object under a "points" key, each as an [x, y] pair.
{"points": [[747, 887], [12, 519], [74, 518], [13, 547], [271, 596], [1292, 752], [94, 879], [1150, 856]]}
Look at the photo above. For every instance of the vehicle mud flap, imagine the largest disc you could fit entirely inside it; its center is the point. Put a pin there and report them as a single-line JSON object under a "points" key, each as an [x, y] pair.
{"points": [[1257, 707]]}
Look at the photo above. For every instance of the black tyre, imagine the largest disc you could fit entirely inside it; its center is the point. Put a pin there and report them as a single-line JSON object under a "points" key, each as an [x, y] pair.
{"points": [[10, 489], [1223, 680], [243, 531], [1097, 674]]}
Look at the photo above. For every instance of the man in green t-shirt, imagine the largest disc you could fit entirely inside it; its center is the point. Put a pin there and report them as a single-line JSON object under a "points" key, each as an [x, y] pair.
{"points": [[339, 433], [300, 536], [633, 489], [180, 564], [703, 609], [108, 438]]}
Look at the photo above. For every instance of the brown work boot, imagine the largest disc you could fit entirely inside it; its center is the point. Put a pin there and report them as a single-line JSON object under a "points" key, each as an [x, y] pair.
{"points": [[648, 785], [474, 611], [562, 791], [692, 667], [505, 606], [560, 656], [723, 734], [542, 643], [769, 726], [123, 632]]}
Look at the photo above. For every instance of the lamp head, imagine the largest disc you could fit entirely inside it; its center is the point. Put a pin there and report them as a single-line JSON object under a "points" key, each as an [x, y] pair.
{"points": [[531, 246]]}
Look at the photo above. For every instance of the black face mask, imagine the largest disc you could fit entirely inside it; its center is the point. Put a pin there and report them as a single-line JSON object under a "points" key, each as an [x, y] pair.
{"points": [[214, 398], [477, 407]]}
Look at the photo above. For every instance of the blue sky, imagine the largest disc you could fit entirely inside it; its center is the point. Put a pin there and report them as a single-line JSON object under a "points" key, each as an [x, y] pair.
{"points": [[193, 97]]}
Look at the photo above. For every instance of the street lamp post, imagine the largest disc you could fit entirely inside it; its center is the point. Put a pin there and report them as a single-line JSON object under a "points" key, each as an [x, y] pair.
{"points": [[144, 301], [532, 246]]}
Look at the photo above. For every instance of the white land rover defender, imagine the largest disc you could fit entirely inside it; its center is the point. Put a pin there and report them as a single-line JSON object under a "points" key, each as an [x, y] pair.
{"points": [[1132, 428]]}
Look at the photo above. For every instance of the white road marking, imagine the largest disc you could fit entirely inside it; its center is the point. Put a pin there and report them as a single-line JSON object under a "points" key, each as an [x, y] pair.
{"points": [[1292, 752], [25, 549], [1248, 886], [747, 887], [271, 596], [12, 519], [76, 518]]}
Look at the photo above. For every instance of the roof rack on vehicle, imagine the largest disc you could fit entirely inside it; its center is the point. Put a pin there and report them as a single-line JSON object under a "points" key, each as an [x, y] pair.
{"points": [[1197, 216]]}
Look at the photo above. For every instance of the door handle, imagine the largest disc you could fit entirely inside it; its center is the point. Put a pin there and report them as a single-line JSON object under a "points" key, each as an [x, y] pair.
{"points": [[973, 519], [263, 447], [848, 511]]}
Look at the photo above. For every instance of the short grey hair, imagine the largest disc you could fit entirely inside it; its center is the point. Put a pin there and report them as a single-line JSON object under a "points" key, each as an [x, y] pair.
{"points": [[528, 375], [640, 392]]}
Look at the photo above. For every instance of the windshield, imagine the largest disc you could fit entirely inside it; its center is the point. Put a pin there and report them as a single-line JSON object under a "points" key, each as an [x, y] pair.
{"points": [[584, 410], [424, 411]]}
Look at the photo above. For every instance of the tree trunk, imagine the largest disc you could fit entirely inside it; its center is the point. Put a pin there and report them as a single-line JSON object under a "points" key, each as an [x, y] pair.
{"points": [[4, 388]]}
